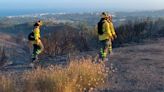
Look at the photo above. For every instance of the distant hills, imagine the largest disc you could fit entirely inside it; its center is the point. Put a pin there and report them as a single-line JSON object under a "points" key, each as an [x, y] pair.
{"points": [[90, 18], [23, 24], [158, 13]]}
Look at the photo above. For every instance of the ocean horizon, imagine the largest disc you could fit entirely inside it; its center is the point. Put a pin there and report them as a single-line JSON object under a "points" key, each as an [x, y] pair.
{"points": [[18, 12]]}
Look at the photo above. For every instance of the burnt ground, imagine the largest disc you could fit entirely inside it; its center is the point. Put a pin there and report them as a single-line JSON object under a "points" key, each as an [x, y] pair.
{"points": [[140, 67]]}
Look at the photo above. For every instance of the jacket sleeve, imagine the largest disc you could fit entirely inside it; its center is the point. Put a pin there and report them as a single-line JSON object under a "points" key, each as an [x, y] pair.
{"points": [[37, 34], [112, 29], [107, 28]]}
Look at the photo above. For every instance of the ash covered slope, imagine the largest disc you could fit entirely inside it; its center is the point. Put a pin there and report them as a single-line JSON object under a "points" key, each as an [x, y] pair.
{"points": [[140, 68]]}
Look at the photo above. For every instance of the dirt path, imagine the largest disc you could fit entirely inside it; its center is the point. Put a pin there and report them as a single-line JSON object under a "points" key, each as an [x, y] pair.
{"points": [[140, 68]]}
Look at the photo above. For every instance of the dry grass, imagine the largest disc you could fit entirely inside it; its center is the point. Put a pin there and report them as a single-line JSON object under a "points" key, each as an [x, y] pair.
{"points": [[78, 76], [6, 84]]}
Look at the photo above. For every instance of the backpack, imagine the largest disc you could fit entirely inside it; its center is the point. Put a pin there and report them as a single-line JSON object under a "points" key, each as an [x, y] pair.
{"points": [[100, 27], [31, 36]]}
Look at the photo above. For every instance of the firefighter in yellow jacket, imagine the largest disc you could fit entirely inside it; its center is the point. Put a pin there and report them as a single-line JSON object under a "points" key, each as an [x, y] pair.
{"points": [[106, 34], [37, 43]]}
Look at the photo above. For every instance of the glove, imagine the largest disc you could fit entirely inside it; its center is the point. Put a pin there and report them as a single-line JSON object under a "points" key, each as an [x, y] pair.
{"points": [[112, 38], [115, 36], [38, 41]]}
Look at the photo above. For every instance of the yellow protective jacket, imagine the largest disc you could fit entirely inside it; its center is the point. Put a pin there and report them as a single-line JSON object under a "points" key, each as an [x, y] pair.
{"points": [[108, 30], [36, 35]]}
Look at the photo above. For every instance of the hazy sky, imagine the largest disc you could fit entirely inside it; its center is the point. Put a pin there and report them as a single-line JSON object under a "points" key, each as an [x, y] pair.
{"points": [[83, 4]]}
